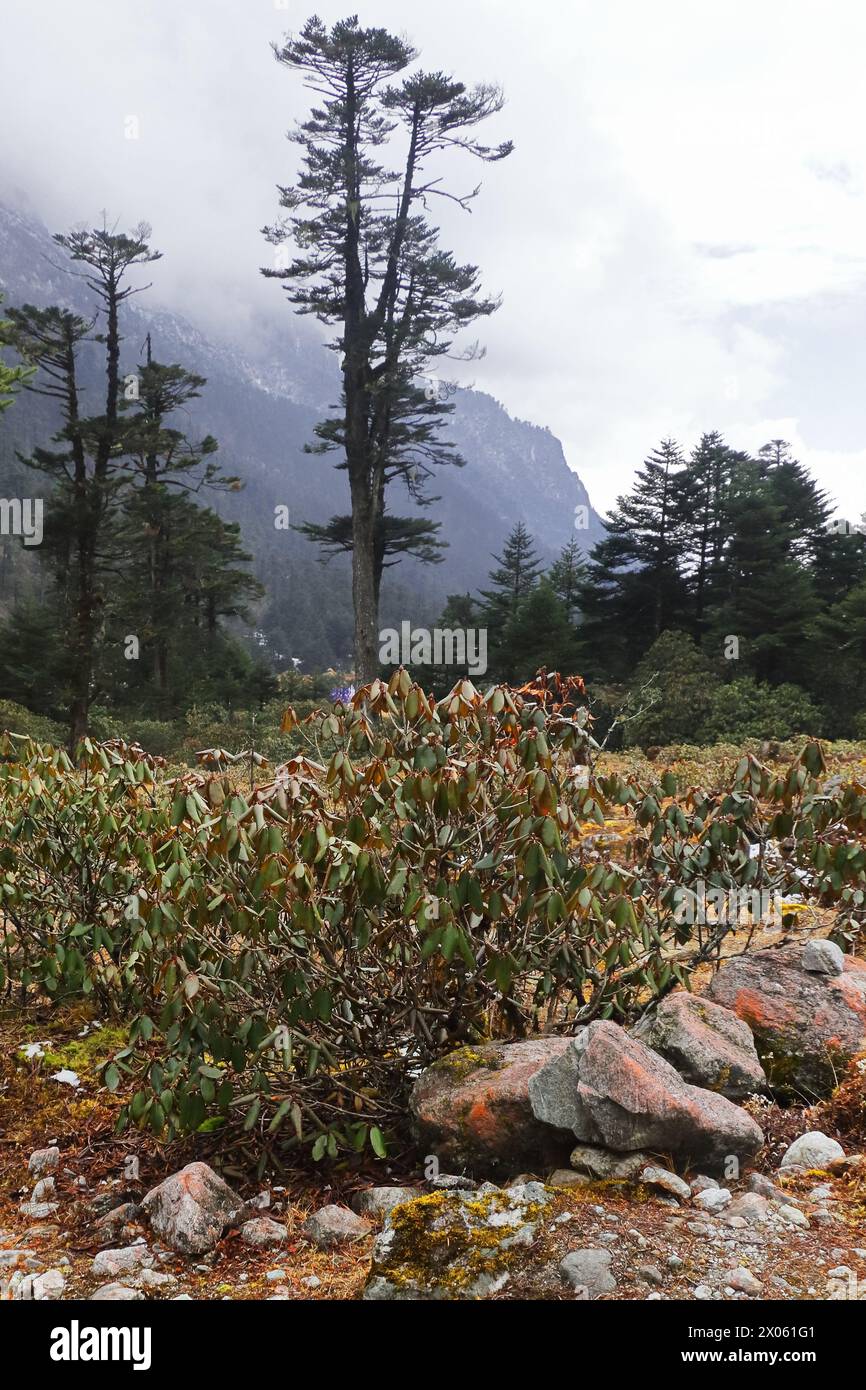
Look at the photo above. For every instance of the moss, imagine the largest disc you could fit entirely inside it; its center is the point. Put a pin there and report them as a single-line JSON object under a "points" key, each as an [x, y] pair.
{"points": [[85, 1055], [466, 1060], [453, 1255], [791, 1076]]}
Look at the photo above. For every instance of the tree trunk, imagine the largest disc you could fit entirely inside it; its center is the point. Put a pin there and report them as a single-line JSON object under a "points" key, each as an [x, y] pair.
{"points": [[364, 587]]}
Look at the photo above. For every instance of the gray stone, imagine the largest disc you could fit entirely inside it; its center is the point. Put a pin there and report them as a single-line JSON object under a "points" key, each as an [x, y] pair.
{"points": [[757, 1182], [614, 1092], [263, 1231], [588, 1269], [789, 1215], [113, 1262], [567, 1177], [812, 1150], [452, 1182], [708, 1045], [454, 1245], [751, 1207], [38, 1211], [744, 1281], [712, 1199], [376, 1202], [471, 1109], [43, 1161], [668, 1182], [117, 1293], [191, 1209], [807, 1026], [602, 1165], [823, 958], [154, 1279], [48, 1286], [334, 1225]]}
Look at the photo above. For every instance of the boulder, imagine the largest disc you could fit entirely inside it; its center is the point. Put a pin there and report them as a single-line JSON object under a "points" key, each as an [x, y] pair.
{"points": [[807, 1025], [191, 1209], [812, 1150], [708, 1045], [612, 1091], [471, 1109], [455, 1245], [330, 1226]]}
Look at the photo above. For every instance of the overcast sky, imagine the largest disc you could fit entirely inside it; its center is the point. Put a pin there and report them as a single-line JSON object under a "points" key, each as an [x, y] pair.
{"points": [[679, 238]]}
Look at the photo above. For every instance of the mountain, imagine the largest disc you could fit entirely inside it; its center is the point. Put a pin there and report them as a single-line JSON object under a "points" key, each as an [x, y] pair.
{"points": [[262, 401]]}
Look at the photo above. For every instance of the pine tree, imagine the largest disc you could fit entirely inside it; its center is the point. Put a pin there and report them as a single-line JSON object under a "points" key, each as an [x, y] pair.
{"points": [[517, 570], [88, 467], [762, 594], [805, 507], [369, 262], [394, 537], [539, 633], [634, 587], [11, 378], [166, 536], [704, 497], [566, 575]]}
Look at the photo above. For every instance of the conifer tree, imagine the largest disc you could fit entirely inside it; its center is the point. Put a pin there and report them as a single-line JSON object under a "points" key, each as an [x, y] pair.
{"points": [[705, 488], [539, 633], [368, 261], [762, 594], [88, 466], [517, 570], [567, 574], [805, 507], [634, 587], [11, 378]]}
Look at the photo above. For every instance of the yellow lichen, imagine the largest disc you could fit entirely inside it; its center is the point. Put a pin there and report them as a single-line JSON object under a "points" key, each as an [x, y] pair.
{"points": [[454, 1256]]}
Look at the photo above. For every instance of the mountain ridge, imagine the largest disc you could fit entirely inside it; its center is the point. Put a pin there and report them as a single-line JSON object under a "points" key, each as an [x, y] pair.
{"points": [[262, 402]]}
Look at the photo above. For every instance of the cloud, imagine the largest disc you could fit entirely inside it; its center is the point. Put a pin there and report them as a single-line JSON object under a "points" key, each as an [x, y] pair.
{"points": [[673, 236]]}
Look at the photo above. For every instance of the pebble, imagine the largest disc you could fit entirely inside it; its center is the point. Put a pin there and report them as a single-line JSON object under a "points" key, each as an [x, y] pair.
{"points": [[43, 1161], [744, 1280], [116, 1293], [588, 1269], [792, 1216], [712, 1199], [667, 1181]]}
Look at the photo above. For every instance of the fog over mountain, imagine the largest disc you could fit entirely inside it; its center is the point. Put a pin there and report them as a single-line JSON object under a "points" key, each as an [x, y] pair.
{"points": [[265, 392]]}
